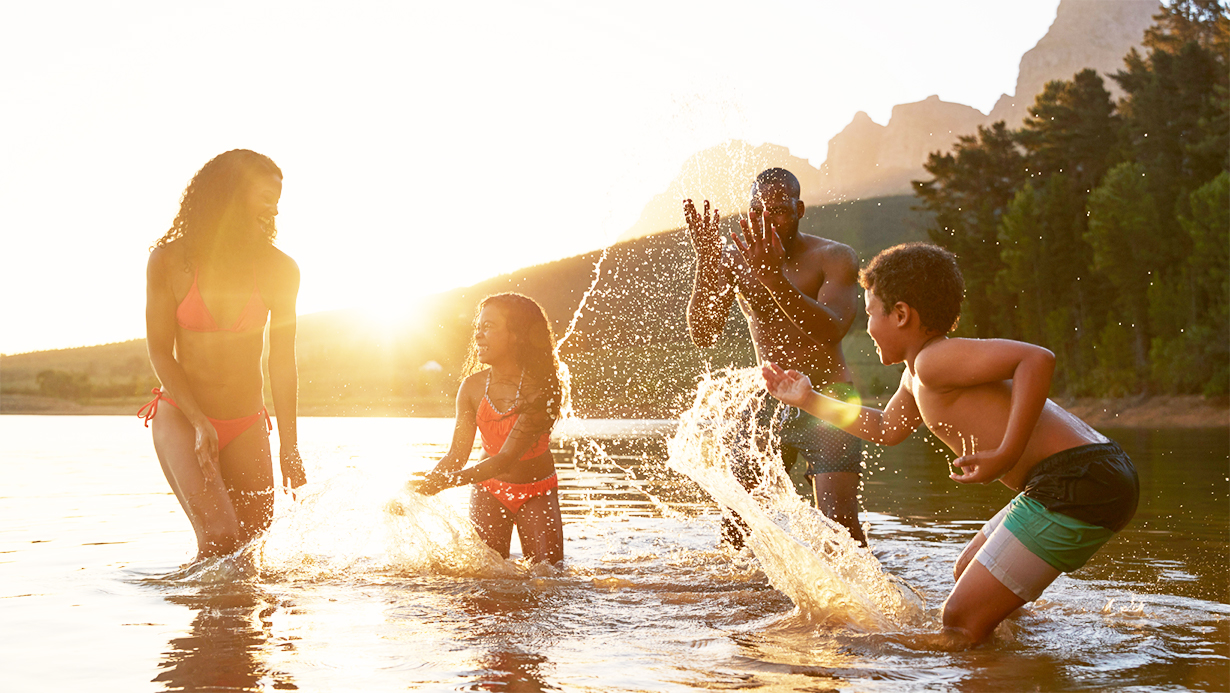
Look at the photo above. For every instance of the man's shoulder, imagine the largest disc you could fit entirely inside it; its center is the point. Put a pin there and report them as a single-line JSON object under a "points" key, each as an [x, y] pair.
{"points": [[827, 254]]}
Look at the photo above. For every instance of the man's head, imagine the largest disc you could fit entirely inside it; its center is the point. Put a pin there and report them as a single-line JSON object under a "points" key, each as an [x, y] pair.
{"points": [[775, 196], [921, 275]]}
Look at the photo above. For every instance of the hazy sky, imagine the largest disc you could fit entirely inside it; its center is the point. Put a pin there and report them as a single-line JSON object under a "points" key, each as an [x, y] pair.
{"points": [[425, 145]]}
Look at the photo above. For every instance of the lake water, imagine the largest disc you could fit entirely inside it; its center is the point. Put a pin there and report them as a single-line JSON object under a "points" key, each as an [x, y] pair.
{"points": [[365, 587]]}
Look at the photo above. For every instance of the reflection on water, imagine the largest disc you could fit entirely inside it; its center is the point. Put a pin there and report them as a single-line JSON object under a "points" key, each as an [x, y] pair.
{"points": [[223, 649], [90, 539]]}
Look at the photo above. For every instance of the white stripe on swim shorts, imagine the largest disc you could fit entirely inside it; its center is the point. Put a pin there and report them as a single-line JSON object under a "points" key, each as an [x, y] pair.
{"points": [[1014, 565]]}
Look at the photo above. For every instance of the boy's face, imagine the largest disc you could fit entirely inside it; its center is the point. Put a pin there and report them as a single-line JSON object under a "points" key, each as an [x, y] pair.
{"points": [[882, 328]]}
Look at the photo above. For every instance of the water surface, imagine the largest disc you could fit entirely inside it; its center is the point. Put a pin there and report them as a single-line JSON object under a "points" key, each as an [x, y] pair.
{"points": [[352, 597]]}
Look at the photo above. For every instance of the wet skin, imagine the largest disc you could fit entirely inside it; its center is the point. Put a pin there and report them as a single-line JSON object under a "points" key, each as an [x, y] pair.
{"points": [[226, 493], [538, 521], [798, 294]]}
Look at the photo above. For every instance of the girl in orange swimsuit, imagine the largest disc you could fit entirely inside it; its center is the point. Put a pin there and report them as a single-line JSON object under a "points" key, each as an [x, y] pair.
{"points": [[213, 282], [513, 405]]}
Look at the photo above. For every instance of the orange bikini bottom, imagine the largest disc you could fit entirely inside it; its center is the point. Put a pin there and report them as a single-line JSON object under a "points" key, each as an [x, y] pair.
{"points": [[228, 429], [513, 496]]}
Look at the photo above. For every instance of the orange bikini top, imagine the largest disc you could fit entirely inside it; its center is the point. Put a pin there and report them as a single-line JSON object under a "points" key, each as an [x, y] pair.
{"points": [[495, 426], [193, 315]]}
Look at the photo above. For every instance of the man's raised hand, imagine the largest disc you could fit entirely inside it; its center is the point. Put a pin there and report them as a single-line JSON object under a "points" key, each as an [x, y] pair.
{"points": [[760, 247], [703, 229]]}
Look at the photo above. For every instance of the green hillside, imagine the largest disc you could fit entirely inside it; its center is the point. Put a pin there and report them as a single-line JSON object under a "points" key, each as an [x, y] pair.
{"points": [[629, 353]]}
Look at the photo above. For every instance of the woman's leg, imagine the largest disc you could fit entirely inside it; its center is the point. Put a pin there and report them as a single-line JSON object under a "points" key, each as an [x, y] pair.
{"points": [[207, 505], [541, 528], [247, 470], [492, 519]]}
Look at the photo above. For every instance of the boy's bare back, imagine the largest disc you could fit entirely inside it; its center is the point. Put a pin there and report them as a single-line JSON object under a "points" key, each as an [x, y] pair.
{"points": [[954, 390]]}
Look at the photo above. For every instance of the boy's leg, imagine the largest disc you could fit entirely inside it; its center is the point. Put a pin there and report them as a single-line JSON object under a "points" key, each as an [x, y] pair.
{"points": [[977, 604], [491, 519]]}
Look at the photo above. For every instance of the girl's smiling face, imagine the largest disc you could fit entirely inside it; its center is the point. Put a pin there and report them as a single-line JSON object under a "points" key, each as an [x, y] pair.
{"points": [[492, 338]]}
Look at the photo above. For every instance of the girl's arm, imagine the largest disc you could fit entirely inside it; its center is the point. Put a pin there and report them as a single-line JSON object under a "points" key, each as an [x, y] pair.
{"points": [[531, 425], [160, 341], [284, 370], [464, 429], [963, 363], [888, 427]]}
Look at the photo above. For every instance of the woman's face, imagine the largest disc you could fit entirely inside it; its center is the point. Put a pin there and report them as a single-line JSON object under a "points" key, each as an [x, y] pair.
{"points": [[261, 201], [492, 337]]}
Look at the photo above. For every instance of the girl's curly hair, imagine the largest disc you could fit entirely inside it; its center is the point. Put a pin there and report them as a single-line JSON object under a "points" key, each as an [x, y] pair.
{"points": [[210, 194], [534, 349]]}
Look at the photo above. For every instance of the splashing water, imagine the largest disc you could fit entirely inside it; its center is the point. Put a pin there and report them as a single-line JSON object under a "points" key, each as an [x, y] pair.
{"points": [[350, 524], [811, 559]]}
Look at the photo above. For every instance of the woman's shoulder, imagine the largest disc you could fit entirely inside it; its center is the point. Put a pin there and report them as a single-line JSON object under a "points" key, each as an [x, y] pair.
{"points": [[166, 257], [281, 263]]}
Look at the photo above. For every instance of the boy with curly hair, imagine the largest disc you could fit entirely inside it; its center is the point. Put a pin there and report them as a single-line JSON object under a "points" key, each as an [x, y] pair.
{"points": [[986, 399]]}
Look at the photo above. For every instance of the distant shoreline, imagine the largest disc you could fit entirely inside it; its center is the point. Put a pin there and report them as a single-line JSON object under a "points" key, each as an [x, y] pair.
{"points": [[1161, 411]]}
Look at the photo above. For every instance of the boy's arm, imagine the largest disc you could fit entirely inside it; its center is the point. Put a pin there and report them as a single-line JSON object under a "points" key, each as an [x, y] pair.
{"points": [[888, 427], [713, 285], [962, 363], [825, 318]]}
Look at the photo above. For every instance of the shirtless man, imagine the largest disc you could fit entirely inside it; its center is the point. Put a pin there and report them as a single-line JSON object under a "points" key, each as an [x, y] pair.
{"points": [[799, 304]]}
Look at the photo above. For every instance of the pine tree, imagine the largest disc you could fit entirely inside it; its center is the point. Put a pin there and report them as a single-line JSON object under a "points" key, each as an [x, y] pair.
{"points": [[971, 188]]}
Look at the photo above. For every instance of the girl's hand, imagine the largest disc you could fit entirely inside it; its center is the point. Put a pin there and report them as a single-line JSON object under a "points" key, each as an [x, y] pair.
{"points": [[434, 482], [791, 387]]}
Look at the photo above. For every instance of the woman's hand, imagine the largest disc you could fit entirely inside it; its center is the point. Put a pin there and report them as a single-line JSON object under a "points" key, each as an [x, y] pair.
{"points": [[791, 387], [206, 447], [293, 475]]}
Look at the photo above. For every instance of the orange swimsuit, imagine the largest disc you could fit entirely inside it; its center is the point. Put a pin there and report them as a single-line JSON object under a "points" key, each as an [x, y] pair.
{"points": [[494, 428], [193, 315]]}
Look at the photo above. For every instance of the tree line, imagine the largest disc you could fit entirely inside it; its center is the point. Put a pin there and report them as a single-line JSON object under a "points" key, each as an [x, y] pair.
{"points": [[1101, 229]]}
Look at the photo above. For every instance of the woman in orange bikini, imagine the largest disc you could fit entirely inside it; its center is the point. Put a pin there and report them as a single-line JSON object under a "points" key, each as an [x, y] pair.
{"points": [[513, 404], [212, 282]]}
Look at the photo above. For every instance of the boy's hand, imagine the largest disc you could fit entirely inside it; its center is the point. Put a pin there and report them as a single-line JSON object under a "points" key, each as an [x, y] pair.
{"points": [[703, 230], [791, 387], [980, 467], [761, 248]]}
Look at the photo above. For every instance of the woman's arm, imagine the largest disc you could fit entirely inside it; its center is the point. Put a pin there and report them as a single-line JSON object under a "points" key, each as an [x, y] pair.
{"points": [[888, 427], [284, 371], [160, 341]]}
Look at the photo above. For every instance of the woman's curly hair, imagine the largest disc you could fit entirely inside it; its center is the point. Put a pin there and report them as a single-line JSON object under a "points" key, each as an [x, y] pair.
{"points": [[211, 192], [534, 349]]}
